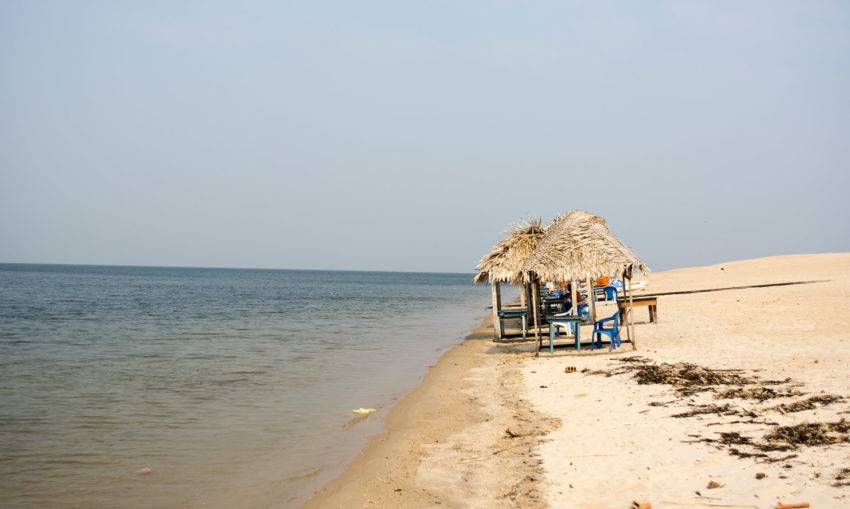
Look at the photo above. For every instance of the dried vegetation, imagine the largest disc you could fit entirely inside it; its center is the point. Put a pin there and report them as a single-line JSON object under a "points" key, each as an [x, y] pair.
{"points": [[688, 380]]}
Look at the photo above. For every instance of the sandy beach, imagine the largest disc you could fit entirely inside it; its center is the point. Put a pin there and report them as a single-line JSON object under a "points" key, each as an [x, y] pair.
{"points": [[735, 398]]}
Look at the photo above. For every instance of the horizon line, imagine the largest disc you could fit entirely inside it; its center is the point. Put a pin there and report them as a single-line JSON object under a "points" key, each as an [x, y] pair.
{"points": [[228, 268]]}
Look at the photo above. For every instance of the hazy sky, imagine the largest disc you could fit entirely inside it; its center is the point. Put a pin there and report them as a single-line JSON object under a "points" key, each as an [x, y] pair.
{"points": [[410, 135]]}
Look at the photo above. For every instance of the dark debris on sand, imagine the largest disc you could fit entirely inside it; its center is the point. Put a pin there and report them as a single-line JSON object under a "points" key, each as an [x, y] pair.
{"points": [[734, 438], [811, 433], [707, 409], [841, 478], [688, 379], [685, 377], [759, 393], [808, 403]]}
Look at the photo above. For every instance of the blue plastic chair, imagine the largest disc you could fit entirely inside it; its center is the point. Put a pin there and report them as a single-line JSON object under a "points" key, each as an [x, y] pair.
{"points": [[610, 292], [613, 333]]}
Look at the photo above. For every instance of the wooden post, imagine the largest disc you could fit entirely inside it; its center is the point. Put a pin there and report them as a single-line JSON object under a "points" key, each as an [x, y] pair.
{"points": [[573, 297], [592, 294], [574, 304], [523, 292], [497, 306], [535, 292], [624, 319], [631, 308], [529, 294]]}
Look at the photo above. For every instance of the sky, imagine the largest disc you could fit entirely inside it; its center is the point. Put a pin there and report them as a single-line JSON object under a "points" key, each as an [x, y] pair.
{"points": [[408, 136]]}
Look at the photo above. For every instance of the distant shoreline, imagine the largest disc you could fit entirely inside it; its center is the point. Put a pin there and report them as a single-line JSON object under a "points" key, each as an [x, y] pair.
{"points": [[260, 269]]}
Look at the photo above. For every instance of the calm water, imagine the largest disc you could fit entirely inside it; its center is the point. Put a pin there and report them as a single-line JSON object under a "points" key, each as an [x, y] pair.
{"points": [[235, 387]]}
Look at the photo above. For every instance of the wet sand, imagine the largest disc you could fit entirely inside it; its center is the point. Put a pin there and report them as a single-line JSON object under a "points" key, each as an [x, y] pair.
{"points": [[446, 443], [494, 426]]}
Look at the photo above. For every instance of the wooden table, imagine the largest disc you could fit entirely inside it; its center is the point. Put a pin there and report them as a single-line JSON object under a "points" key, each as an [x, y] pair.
{"points": [[564, 320], [513, 313], [650, 302]]}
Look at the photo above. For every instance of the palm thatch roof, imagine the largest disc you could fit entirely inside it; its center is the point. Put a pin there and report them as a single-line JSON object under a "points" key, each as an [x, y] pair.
{"points": [[506, 259], [578, 245]]}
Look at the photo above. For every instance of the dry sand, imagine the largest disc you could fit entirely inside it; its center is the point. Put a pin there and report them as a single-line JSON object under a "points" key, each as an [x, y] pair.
{"points": [[494, 426]]}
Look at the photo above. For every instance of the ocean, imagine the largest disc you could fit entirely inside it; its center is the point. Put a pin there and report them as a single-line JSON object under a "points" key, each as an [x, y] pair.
{"points": [[235, 387]]}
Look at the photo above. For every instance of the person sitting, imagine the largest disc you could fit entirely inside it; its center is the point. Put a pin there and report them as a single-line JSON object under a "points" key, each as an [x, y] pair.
{"points": [[566, 291]]}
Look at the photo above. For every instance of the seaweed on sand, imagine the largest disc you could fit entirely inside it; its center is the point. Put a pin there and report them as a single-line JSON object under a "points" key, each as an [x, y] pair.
{"points": [[811, 433], [759, 393], [687, 378], [777, 445], [769, 447], [734, 438], [706, 409], [841, 478], [744, 454], [808, 403]]}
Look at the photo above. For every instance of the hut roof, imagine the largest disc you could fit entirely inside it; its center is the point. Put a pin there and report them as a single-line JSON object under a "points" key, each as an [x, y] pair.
{"points": [[504, 262], [578, 245]]}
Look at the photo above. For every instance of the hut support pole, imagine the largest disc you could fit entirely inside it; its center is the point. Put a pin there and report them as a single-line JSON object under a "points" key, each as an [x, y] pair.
{"points": [[592, 294], [625, 311], [523, 295], [631, 307], [573, 294], [535, 292], [497, 306], [529, 294]]}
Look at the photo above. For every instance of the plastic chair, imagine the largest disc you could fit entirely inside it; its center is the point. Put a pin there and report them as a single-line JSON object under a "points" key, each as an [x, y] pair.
{"points": [[613, 333], [610, 292], [583, 310], [557, 326]]}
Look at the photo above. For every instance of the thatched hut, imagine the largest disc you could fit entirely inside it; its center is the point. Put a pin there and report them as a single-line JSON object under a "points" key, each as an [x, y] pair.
{"points": [[503, 263], [578, 246]]}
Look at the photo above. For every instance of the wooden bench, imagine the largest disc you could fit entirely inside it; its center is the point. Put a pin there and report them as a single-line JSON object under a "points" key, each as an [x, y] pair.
{"points": [[650, 302]]}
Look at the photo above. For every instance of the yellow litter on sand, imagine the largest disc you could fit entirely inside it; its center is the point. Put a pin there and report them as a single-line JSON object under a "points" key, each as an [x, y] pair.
{"points": [[363, 410]]}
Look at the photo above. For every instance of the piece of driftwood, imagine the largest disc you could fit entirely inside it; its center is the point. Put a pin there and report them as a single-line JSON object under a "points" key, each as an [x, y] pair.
{"points": [[514, 434]]}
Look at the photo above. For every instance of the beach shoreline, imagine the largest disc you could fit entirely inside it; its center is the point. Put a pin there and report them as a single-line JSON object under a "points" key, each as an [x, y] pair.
{"points": [[423, 427], [492, 425]]}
